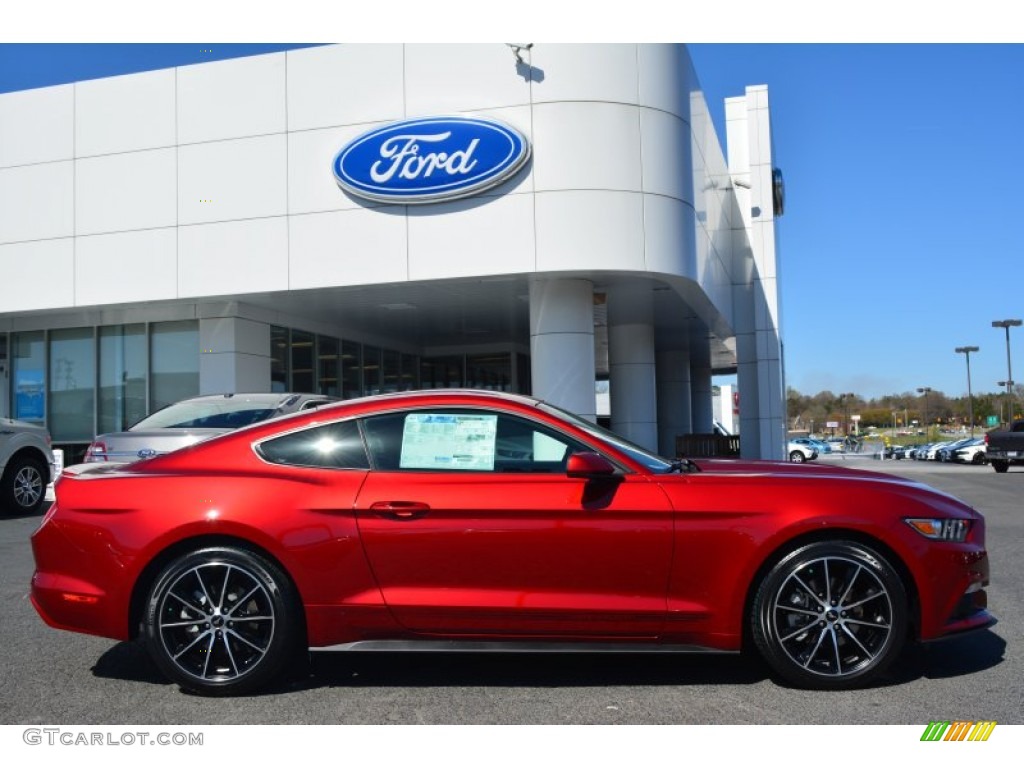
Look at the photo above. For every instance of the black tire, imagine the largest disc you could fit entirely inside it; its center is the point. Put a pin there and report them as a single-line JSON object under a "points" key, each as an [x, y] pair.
{"points": [[23, 486], [222, 621], [806, 635], [797, 457], [1000, 466], [978, 458]]}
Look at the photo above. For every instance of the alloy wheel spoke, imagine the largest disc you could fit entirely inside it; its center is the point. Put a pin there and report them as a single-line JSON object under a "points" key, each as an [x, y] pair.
{"points": [[860, 645], [849, 587], [808, 590], [247, 642], [189, 647], [239, 603], [814, 651]]}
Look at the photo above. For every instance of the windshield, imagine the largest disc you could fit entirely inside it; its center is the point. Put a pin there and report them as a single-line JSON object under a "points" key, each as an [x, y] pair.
{"points": [[224, 413], [641, 456]]}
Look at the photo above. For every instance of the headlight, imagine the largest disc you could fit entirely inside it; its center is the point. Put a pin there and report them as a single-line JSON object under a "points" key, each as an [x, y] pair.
{"points": [[940, 529]]}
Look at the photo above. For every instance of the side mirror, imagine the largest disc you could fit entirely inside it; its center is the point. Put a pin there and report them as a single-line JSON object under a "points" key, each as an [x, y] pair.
{"points": [[589, 464]]}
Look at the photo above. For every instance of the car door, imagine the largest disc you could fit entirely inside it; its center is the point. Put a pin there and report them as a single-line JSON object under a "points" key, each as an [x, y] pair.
{"points": [[472, 527]]}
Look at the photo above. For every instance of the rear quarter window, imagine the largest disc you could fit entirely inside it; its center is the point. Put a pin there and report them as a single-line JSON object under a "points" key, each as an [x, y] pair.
{"points": [[331, 446]]}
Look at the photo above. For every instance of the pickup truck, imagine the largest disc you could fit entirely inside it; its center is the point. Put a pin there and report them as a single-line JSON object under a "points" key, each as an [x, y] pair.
{"points": [[1005, 447], [26, 467]]}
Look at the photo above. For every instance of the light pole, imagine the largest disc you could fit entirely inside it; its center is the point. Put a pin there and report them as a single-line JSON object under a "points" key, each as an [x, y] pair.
{"points": [[1009, 416], [1007, 325], [925, 391], [966, 351]]}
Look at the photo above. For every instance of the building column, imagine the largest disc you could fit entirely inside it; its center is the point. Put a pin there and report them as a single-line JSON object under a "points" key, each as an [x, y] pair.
{"points": [[562, 344], [675, 415], [631, 377], [234, 355], [701, 393]]}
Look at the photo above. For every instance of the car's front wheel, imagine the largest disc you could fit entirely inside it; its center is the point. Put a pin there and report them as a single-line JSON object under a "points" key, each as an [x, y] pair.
{"points": [[23, 486], [830, 615], [222, 621], [797, 457]]}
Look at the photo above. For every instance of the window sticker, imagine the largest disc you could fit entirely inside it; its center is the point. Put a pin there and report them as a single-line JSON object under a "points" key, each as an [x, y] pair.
{"points": [[449, 441]]}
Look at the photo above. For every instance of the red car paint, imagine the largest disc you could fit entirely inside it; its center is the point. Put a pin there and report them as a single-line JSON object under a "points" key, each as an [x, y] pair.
{"points": [[671, 558]]}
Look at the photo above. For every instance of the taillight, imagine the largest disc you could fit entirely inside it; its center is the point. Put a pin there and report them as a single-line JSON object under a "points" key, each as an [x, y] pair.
{"points": [[986, 438], [97, 451]]}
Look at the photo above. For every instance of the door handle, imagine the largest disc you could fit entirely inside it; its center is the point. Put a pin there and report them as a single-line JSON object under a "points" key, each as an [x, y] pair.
{"points": [[400, 510]]}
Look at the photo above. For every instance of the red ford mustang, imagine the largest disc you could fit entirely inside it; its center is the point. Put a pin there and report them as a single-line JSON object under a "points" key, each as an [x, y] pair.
{"points": [[450, 520]]}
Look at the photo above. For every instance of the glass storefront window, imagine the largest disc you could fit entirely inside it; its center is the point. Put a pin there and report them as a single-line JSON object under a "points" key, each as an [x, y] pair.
{"points": [[351, 369], [371, 370], [302, 361], [279, 359], [174, 352], [72, 385], [441, 372], [492, 371], [328, 357], [410, 368], [392, 368], [122, 395], [28, 376]]}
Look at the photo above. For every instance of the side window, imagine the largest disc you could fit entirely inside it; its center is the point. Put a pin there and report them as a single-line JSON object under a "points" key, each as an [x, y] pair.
{"points": [[334, 446], [465, 441]]}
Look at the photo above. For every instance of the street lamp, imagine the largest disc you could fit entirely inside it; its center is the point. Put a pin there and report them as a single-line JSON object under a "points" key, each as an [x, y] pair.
{"points": [[966, 351], [1009, 416], [1007, 325], [925, 391]]}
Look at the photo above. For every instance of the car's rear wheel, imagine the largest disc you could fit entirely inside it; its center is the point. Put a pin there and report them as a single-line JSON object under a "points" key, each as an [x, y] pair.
{"points": [[830, 615], [222, 621], [797, 457], [23, 486]]}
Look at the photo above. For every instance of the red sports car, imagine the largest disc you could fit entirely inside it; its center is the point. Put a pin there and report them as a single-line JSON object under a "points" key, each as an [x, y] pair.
{"points": [[448, 520]]}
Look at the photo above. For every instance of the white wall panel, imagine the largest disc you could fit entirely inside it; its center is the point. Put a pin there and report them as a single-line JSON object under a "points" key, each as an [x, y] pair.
{"points": [[37, 201], [665, 155], [585, 72], [135, 190], [232, 98], [37, 126], [586, 146], [233, 258], [670, 244], [479, 236], [37, 275], [225, 180], [589, 231], [312, 187], [126, 267], [123, 114], [666, 78], [344, 84], [353, 247], [443, 79]]}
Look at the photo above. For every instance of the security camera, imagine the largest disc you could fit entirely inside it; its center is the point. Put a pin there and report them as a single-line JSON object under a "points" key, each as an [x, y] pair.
{"points": [[518, 48]]}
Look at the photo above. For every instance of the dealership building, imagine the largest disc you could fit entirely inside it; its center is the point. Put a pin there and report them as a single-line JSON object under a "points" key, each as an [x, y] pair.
{"points": [[354, 219]]}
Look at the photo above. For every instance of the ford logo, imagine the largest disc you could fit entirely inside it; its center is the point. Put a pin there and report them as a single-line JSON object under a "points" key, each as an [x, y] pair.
{"points": [[430, 159]]}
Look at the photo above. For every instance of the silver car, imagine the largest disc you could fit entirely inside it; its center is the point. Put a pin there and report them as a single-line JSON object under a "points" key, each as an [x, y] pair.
{"points": [[194, 420], [26, 465]]}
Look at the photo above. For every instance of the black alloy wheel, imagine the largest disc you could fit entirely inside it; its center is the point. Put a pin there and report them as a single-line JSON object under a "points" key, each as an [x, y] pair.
{"points": [[830, 615], [222, 621]]}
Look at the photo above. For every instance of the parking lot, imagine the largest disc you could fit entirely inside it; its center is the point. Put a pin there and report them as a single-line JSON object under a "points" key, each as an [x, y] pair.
{"points": [[53, 677]]}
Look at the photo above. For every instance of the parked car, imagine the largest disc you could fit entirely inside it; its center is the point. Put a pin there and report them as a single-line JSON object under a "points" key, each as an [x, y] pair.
{"points": [[945, 453], [480, 520], [815, 445], [799, 452], [1005, 446], [196, 419], [972, 453], [26, 466]]}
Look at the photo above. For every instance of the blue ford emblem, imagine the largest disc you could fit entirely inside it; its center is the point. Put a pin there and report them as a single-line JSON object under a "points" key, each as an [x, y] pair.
{"points": [[430, 159]]}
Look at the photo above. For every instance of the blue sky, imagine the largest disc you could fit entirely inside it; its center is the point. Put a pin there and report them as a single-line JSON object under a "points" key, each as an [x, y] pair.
{"points": [[903, 164]]}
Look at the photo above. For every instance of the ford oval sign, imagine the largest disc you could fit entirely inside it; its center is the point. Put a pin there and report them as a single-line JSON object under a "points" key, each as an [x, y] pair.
{"points": [[430, 159]]}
